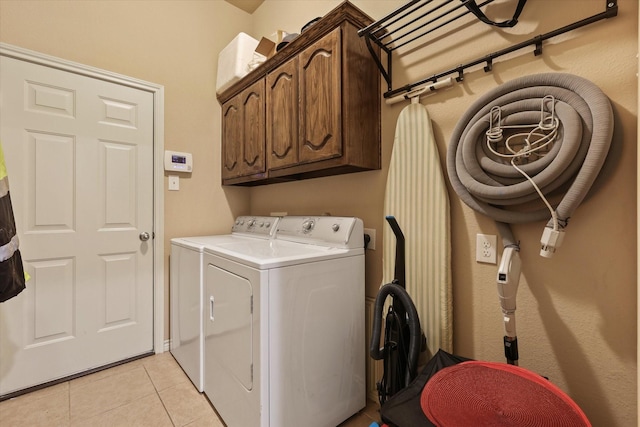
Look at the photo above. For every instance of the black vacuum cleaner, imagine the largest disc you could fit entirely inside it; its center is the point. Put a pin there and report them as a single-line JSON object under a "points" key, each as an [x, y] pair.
{"points": [[402, 337]]}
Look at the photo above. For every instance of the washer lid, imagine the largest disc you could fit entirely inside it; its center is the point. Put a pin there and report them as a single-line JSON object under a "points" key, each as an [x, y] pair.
{"points": [[265, 254], [199, 242], [244, 227]]}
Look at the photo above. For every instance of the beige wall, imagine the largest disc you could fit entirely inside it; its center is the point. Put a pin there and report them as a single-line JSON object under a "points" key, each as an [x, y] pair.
{"points": [[576, 312]]}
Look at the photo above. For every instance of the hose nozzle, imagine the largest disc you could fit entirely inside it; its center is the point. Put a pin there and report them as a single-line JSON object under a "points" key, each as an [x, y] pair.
{"points": [[550, 241], [507, 281]]}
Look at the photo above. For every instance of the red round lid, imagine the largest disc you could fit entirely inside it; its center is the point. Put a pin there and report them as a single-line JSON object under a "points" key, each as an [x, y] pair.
{"points": [[496, 394]]}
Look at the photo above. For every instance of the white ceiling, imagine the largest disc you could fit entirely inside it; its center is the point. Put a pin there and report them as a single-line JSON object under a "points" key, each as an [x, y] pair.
{"points": [[248, 6]]}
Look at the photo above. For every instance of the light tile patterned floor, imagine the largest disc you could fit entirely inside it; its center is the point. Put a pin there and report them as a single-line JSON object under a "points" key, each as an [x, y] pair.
{"points": [[153, 392]]}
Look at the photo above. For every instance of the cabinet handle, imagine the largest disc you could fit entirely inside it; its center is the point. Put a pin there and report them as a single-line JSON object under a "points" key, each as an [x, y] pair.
{"points": [[211, 299]]}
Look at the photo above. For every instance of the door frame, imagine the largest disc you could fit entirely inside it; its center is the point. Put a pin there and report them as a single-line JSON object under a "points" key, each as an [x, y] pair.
{"points": [[158, 162]]}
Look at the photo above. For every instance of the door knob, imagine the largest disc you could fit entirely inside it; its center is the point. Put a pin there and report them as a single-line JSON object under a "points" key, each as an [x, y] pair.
{"points": [[144, 236]]}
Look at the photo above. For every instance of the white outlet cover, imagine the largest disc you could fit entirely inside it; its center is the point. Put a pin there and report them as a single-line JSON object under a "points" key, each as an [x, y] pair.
{"points": [[486, 248], [174, 183]]}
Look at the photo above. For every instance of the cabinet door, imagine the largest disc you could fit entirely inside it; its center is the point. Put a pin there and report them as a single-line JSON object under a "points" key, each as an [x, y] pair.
{"points": [[231, 138], [282, 115], [320, 98], [253, 130]]}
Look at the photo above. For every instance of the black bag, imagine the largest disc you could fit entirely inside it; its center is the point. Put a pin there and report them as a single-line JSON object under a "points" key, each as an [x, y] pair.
{"points": [[12, 280], [403, 408]]}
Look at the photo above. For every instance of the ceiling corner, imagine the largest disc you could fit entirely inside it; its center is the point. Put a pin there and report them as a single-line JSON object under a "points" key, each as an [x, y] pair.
{"points": [[248, 6]]}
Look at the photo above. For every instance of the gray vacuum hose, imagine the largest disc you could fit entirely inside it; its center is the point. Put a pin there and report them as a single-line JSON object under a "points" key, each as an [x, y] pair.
{"points": [[490, 186]]}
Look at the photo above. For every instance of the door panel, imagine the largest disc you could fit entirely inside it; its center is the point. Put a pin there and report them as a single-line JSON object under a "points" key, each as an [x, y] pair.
{"points": [[320, 99], [234, 349], [253, 138], [118, 185], [229, 323], [79, 153], [282, 115], [231, 125], [54, 182], [50, 304]]}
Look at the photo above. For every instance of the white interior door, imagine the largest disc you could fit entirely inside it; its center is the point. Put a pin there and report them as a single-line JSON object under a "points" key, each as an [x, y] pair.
{"points": [[79, 153]]}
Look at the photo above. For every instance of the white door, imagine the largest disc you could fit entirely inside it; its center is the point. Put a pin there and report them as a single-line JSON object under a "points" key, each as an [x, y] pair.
{"points": [[79, 154]]}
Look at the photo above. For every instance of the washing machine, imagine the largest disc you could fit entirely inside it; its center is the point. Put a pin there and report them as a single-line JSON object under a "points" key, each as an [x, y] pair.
{"points": [[187, 290], [285, 325]]}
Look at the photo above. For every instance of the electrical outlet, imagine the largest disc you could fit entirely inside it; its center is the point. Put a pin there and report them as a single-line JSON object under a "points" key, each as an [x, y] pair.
{"points": [[486, 248], [372, 234]]}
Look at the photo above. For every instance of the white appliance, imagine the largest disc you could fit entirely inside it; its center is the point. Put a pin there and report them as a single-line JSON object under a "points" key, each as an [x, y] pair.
{"points": [[284, 325], [187, 290]]}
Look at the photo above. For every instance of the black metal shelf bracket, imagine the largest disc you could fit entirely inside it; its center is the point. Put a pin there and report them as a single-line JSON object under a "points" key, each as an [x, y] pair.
{"points": [[400, 27]]}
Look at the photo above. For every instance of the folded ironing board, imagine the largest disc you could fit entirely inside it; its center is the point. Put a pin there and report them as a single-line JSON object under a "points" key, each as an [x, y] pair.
{"points": [[416, 195]]}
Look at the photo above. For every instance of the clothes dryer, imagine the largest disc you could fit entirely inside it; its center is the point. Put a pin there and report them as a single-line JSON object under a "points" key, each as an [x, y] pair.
{"points": [[186, 290], [284, 325]]}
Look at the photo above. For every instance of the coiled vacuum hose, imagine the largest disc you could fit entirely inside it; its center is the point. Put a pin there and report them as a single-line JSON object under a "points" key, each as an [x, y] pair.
{"points": [[397, 291], [490, 186]]}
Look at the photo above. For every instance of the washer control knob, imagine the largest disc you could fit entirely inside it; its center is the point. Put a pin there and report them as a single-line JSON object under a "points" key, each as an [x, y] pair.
{"points": [[261, 224], [267, 224], [307, 225], [251, 223], [335, 227]]}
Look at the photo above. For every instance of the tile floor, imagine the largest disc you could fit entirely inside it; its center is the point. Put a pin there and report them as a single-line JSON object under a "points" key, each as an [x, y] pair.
{"points": [[153, 392]]}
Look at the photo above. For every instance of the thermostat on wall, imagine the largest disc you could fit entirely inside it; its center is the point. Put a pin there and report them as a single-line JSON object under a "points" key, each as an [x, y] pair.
{"points": [[178, 162]]}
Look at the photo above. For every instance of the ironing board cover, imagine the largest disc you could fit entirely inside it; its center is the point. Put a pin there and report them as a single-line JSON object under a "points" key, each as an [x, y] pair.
{"points": [[416, 195]]}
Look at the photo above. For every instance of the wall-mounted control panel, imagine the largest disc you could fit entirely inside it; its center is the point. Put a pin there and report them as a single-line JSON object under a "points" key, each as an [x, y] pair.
{"points": [[175, 161]]}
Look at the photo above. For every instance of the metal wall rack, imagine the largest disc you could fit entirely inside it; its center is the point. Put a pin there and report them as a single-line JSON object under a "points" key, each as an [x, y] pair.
{"points": [[419, 18]]}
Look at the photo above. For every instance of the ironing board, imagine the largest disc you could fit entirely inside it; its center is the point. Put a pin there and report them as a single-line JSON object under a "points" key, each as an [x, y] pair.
{"points": [[416, 195]]}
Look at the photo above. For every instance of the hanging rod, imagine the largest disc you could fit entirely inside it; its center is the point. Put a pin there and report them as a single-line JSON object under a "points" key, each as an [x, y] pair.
{"points": [[377, 32]]}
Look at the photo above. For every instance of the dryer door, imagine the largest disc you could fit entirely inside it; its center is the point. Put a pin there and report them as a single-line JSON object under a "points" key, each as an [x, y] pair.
{"points": [[229, 322]]}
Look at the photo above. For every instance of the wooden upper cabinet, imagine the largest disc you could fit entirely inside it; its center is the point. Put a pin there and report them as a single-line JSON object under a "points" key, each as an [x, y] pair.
{"points": [[231, 131], [243, 124], [253, 158], [320, 95], [313, 109], [282, 115]]}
